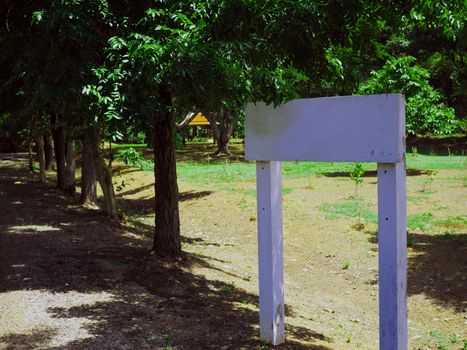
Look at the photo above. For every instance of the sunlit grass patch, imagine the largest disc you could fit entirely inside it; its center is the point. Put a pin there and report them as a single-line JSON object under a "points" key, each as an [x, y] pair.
{"points": [[421, 222], [455, 222], [347, 209]]}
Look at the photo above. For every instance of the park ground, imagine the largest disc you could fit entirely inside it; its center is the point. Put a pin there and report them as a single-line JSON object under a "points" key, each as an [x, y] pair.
{"points": [[72, 279]]}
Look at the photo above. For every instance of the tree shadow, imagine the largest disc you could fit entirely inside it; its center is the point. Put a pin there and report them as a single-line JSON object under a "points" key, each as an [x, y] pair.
{"points": [[204, 153], [437, 266], [145, 206], [136, 190], [192, 195], [438, 146], [50, 245], [38, 338], [373, 173]]}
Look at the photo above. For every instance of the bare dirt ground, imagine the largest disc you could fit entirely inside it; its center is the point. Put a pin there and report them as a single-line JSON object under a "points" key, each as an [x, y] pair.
{"points": [[72, 279]]}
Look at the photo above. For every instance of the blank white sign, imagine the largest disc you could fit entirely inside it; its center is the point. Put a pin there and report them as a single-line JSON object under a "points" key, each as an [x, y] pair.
{"points": [[329, 129]]}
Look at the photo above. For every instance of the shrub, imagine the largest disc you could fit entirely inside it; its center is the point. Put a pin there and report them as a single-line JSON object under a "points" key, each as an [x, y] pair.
{"points": [[425, 112], [134, 158]]}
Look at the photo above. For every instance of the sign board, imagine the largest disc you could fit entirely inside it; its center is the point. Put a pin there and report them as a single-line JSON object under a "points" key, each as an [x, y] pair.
{"points": [[352, 129], [328, 129]]}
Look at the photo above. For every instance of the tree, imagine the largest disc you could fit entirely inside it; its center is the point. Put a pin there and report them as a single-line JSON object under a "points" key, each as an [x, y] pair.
{"points": [[433, 34], [223, 124], [436, 35], [172, 63], [425, 111], [164, 58], [52, 47]]}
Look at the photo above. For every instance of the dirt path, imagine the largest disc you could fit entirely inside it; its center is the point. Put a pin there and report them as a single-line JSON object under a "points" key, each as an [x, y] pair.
{"points": [[70, 279]]}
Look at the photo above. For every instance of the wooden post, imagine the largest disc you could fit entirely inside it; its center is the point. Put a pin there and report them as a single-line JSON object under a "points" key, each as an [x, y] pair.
{"points": [[392, 245], [271, 265], [365, 129]]}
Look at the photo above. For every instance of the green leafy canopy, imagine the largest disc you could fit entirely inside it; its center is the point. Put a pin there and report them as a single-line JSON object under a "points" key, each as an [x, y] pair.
{"points": [[424, 108]]}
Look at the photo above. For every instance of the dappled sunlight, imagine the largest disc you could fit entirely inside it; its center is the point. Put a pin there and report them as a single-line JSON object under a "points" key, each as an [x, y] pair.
{"points": [[31, 229], [94, 284], [35, 323]]}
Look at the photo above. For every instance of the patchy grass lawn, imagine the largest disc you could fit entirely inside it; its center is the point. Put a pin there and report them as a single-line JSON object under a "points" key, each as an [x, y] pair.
{"points": [[331, 268], [129, 300]]}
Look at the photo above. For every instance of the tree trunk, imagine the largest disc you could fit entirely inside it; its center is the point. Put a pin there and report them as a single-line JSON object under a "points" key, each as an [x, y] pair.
{"points": [[104, 175], [223, 141], [222, 125], [41, 157], [70, 179], [48, 151], [88, 172], [59, 147], [30, 157], [111, 157], [167, 223]]}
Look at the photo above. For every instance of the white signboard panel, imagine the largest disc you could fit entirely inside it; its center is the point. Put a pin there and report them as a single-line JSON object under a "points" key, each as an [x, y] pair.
{"points": [[331, 129]]}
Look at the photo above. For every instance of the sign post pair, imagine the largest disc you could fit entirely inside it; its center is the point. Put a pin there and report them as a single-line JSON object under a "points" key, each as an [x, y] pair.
{"points": [[336, 129]]}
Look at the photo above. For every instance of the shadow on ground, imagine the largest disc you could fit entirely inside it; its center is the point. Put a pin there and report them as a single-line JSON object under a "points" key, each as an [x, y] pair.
{"points": [[205, 152], [37, 339], [51, 245], [440, 146], [437, 267], [373, 173]]}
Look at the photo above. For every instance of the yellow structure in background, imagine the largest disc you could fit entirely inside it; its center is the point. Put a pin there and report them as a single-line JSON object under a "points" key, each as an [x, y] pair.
{"points": [[199, 120]]}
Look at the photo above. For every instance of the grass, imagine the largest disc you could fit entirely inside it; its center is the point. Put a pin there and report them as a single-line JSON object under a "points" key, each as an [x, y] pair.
{"points": [[446, 342], [221, 170], [216, 171], [251, 191], [421, 222], [116, 146], [434, 162], [347, 209], [455, 222]]}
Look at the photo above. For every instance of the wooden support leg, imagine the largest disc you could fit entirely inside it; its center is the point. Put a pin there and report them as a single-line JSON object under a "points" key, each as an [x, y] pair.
{"points": [[392, 245], [271, 265]]}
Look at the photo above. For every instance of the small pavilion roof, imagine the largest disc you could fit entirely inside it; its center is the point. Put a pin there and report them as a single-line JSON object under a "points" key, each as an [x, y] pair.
{"points": [[199, 120]]}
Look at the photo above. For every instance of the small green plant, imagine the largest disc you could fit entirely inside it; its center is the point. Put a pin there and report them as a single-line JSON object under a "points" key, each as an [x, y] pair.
{"points": [[431, 175], [243, 203], [447, 235], [421, 222], [309, 185], [445, 342], [357, 176], [346, 264], [130, 156], [168, 343], [134, 158], [226, 289], [427, 186]]}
